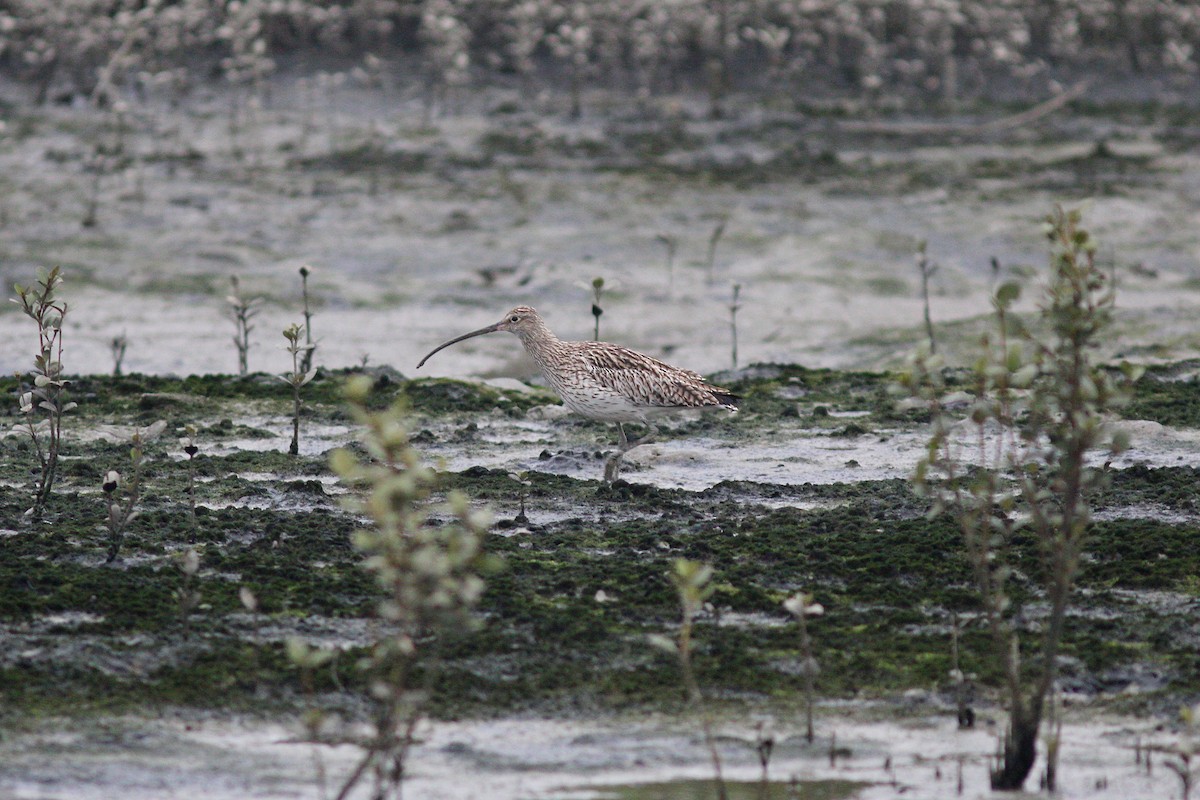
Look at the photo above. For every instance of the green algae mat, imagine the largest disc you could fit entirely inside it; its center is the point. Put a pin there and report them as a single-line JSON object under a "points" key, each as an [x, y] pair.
{"points": [[582, 586]]}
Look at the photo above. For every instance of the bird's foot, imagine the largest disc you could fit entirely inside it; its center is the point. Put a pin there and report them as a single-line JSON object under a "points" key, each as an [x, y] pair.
{"points": [[612, 467]]}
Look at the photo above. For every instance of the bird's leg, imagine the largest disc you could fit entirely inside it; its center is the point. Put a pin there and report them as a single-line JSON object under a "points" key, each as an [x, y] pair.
{"points": [[612, 467]]}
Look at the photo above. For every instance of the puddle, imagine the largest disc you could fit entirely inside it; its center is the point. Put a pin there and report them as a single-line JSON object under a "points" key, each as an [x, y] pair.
{"points": [[791, 455], [734, 790]]}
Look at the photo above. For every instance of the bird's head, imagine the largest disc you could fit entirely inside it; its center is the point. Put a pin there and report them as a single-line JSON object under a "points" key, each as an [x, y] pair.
{"points": [[522, 320]]}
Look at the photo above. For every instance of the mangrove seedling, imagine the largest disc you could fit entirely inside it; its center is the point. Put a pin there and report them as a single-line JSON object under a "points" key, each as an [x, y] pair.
{"points": [[801, 606], [188, 443], [248, 600], [241, 311], [671, 243], [308, 660], [713, 239], [1183, 761], [1037, 424], [307, 362], [122, 497], [104, 160], [693, 583], [764, 745], [962, 682], [1053, 740], [45, 403], [597, 291], [187, 595], [734, 305], [926, 268], [118, 346], [429, 573], [296, 378], [522, 479]]}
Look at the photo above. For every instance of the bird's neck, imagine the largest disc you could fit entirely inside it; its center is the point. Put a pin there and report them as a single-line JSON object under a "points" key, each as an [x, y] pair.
{"points": [[541, 344]]}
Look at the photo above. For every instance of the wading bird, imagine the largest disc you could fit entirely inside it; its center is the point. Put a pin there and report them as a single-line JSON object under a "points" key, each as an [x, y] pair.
{"points": [[606, 382]]}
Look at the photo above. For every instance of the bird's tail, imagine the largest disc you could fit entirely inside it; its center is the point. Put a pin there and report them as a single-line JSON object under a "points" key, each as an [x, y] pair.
{"points": [[727, 400]]}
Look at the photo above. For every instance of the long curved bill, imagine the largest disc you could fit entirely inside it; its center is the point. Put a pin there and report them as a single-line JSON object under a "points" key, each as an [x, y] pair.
{"points": [[472, 334]]}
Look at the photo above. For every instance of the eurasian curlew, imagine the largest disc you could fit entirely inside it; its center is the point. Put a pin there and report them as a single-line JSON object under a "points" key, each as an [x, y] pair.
{"points": [[606, 382]]}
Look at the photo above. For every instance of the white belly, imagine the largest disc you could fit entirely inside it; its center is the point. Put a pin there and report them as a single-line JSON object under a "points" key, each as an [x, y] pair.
{"points": [[602, 405]]}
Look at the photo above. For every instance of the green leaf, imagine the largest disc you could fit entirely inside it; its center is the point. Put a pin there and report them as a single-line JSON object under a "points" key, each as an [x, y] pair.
{"points": [[661, 642], [1022, 378], [1008, 293]]}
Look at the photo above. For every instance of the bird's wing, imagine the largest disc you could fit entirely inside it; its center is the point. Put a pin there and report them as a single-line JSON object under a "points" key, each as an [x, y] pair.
{"points": [[647, 380]]}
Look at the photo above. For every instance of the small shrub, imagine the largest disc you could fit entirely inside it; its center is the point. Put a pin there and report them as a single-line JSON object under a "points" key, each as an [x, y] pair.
{"points": [[801, 606], [1038, 412], [241, 311], [296, 378], [121, 495], [44, 405], [693, 582], [429, 575]]}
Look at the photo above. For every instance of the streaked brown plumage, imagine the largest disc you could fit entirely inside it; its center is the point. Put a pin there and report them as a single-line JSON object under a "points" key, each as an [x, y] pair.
{"points": [[605, 381]]}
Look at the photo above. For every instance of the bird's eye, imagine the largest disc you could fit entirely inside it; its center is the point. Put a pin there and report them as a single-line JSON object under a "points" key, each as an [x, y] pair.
{"points": [[514, 318]]}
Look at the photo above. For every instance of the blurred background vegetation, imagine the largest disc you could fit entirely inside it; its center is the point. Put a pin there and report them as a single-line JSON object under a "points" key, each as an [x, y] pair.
{"points": [[894, 53]]}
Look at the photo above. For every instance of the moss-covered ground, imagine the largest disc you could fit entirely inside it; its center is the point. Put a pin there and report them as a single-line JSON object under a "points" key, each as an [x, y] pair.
{"points": [[564, 623]]}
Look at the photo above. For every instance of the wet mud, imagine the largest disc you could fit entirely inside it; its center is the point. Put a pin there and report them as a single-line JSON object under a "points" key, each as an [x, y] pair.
{"points": [[106, 673]]}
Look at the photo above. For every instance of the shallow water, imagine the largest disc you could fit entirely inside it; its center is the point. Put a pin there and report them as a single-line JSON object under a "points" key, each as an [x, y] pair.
{"points": [[826, 266], [791, 455], [538, 759]]}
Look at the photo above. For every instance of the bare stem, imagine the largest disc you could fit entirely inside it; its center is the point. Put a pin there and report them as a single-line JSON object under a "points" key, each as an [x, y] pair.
{"points": [[809, 674], [713, 239], [306, 363], [733, 309], [695, 699], [192, 493], [926, 268]]}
